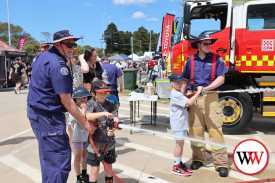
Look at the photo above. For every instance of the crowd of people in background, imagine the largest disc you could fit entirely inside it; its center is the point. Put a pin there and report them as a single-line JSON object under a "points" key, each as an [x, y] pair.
{"points": [[59, 71]]}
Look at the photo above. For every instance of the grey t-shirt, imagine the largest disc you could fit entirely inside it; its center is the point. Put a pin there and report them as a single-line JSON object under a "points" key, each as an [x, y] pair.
{"points": [[80, 133], [178, 111], [100, 135]]}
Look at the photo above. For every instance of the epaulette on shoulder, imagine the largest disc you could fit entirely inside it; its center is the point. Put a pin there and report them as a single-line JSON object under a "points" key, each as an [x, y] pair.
{"points": [[61, 60]]}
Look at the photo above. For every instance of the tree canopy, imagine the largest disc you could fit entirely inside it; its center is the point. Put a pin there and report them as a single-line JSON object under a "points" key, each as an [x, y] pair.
{"points": [[120, 41], [117, 41]]}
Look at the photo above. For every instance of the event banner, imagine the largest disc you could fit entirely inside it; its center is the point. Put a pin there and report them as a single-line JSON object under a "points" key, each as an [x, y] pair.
{"points": [[21, 43], [166, 34]]}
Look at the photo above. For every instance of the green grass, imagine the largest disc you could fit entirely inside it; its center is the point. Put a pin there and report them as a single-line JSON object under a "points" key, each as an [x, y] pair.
{"points": [[126, 92], [164, 100]]}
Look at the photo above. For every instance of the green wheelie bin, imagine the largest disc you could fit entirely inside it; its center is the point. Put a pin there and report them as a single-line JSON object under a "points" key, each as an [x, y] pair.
{"points": [[130, 79]]}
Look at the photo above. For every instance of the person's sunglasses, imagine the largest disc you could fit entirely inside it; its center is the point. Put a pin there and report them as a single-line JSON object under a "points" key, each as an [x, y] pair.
{"points": [[207, 44], [69, 45]]}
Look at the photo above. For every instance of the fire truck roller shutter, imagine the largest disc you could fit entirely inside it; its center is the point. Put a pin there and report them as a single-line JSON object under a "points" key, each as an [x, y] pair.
{"points": [[237, 110]]}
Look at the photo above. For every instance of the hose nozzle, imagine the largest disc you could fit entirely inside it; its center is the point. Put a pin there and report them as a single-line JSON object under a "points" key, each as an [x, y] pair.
{"points": [[116, 125]]}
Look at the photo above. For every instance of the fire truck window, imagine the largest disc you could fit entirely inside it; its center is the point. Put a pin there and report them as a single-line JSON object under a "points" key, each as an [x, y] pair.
{"points": [[212, 17], [209, 26], [260, 17]]}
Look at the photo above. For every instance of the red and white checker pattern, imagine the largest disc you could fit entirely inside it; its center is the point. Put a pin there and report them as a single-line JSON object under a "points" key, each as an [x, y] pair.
{"points": [[267, 45]]}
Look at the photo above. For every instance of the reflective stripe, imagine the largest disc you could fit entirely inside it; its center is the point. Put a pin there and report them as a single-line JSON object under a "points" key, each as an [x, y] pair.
{"points": [[198, 144], [216, 147]]}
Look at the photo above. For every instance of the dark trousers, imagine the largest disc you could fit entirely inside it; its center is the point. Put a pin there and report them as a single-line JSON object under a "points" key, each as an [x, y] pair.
{"points": [[53, 142]]}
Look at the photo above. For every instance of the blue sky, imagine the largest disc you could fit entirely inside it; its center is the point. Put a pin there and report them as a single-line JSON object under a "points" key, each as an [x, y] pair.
{"points": [[85, 17]]}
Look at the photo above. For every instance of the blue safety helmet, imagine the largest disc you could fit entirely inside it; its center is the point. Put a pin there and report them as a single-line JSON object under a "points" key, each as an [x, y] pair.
{"points": [[81, 92]]}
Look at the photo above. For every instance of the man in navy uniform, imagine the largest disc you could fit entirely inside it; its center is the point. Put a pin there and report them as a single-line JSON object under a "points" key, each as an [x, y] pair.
{"points": [[208, 70], [49, 97], [113, 74]]}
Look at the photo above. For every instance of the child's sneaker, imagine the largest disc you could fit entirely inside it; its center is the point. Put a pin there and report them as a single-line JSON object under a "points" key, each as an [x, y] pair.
{"points": [[184, 167], [179, 171], [86, 177], [81, 180]]}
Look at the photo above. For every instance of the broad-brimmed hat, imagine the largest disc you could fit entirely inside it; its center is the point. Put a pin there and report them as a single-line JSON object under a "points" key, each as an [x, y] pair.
{"points": [[63, 35], [43, 44], [200, 38], [176, 77], [81, 92], [99, 86]]}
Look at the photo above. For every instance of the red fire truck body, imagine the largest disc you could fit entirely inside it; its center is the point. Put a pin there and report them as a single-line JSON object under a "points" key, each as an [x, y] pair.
{"points": [[245, 33]]}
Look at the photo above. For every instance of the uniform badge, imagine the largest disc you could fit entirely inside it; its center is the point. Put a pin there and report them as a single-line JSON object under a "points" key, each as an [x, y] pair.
{"points": [[64, 71], [221, 60]]}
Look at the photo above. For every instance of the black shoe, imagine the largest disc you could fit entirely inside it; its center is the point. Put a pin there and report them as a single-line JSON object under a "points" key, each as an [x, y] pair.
{"points": [[196, 165], [222, 171], [86, 177]]}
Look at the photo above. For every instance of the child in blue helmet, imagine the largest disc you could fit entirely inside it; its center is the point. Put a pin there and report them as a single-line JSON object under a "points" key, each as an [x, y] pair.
{"points": [[80, 135]]}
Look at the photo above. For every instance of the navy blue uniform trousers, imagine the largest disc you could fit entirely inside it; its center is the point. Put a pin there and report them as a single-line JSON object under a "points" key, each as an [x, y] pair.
{"points": [[53, 141]]}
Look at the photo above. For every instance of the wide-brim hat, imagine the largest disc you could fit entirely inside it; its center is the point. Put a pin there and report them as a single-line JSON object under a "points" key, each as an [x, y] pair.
{"points": [[63, 35], [200, 38], [81, 92], [43, 44], [99, 86]]}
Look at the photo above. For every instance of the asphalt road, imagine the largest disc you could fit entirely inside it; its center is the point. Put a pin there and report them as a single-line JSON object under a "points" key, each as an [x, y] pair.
{"points": [[142, 157]]}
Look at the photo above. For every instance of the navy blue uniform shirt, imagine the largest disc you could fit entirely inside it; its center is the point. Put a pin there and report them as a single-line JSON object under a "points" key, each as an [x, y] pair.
{"points": [[50, 77], [113, 73], [203, 70]]}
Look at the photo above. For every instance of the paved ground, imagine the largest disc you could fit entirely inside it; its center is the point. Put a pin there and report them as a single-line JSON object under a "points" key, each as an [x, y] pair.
{"points": [[142, 157]]}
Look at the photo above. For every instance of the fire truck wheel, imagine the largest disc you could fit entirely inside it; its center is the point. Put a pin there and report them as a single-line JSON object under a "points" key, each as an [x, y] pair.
{"points": [[237, 110]]}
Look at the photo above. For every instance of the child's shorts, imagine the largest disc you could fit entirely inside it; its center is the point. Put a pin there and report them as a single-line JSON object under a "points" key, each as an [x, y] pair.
{"points": [[80, 145], [91, 158], [179, 134]]}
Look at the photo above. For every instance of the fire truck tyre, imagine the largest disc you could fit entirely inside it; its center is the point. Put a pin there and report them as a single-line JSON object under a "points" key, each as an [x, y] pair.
{"points": [[237, 110]]}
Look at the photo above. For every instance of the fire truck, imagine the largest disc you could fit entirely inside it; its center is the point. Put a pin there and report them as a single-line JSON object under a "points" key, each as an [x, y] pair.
{"points": [[245, 33]]}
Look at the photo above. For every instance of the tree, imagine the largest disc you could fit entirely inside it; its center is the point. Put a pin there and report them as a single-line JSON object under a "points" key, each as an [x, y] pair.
{"points": [[141, 40], [47, 36], [31, 47], [120, 42], [111, 38], [125, 42], [16, 33]]}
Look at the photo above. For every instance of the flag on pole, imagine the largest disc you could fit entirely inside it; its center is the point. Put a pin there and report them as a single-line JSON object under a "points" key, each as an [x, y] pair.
{"points": [[21, 43], [166, 34]]}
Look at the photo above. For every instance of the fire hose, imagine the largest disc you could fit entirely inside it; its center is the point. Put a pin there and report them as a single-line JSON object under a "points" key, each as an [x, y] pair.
{"points": [[258, 181], [100, 156]]}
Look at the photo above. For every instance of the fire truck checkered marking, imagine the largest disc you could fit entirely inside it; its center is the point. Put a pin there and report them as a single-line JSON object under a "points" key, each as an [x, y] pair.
{"points": [[267, 45]]}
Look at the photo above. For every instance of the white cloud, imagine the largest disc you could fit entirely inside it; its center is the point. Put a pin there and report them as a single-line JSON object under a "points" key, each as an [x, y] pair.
{"points": [[87, 4], [138, 15], [133, 2], [152, 19]]}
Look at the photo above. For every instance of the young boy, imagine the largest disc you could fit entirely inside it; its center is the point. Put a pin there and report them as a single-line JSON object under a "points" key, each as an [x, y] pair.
{"points": [[111, 97], [101, 110], [179, 120], [80, 136]]}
